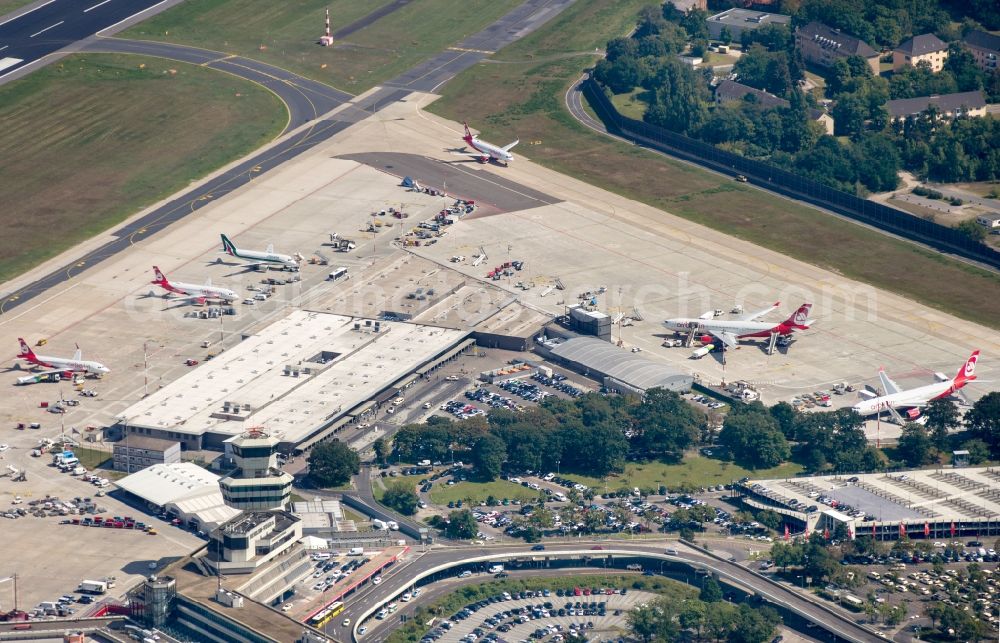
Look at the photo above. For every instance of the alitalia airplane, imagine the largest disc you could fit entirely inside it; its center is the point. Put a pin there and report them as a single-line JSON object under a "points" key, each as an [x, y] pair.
{"points": [[194, 292], [61, 365], [909, 402], [729, 332], [258, 258], [487, 151]]}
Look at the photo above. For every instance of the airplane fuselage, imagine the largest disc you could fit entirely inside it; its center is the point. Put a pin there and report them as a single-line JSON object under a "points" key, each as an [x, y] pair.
{"points": [[205, 292], [741, 329], [905, 399], [76, 366], [489, 150]]}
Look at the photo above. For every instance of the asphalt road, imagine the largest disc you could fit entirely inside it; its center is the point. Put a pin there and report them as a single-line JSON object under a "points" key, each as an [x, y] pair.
{"points": [[53, 25], [401, 578], [424, 77], [306, 99]]}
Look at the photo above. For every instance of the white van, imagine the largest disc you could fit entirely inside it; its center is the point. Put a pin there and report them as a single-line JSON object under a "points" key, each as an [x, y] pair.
{"points": [[356, 551], [496, 569], [321, 556]]}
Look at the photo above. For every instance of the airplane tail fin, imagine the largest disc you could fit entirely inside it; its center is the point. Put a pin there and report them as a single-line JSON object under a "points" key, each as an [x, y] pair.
{"points": [[227, 246], [968, 372], [800, 318], [160, 279], [26, 351], [468, 133]]}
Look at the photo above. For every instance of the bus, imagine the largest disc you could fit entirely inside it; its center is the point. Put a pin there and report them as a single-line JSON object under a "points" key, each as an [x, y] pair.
{"points": [[337, 274], [327, 614]]}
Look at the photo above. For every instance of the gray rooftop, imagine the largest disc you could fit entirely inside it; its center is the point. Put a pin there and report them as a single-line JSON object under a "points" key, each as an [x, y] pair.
{"points": [[730, 90], [747, 19], [946, 103], [606, 358], [922, 44], [843, 42], [982, 40]]}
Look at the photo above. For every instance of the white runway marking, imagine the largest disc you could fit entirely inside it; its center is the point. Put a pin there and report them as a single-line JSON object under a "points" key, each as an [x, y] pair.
{"points": [[96, 5], [9, 62], [46, 29], [25, 13]]}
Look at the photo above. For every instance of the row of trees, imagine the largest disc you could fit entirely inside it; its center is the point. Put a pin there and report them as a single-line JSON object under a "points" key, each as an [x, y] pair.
{"points": [[708, 617], [591, 435]]}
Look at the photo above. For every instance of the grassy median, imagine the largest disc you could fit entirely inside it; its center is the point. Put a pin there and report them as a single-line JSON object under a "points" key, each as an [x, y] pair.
{"points": [[285, 35], [520, 94], [92, 139]]}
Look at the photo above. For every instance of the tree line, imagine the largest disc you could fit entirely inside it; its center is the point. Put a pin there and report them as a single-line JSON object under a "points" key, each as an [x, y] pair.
{"points": [[875, 150]]}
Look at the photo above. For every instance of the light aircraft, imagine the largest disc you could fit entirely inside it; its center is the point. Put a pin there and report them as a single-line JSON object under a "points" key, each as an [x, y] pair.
{"points": [[60, 365], [194, 292], [909, 402], [729, 332], [488, 151], [259, 258]]}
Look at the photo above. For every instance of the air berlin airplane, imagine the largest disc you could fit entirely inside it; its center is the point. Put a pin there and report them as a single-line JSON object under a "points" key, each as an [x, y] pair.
{"points": [[487, 151], [909, 402]]}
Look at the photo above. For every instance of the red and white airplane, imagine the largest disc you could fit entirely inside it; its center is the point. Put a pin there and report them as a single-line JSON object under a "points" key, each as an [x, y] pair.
{"points": [[194, 292], [909, 402], [488, 151], [729, 332], [61, 365]]}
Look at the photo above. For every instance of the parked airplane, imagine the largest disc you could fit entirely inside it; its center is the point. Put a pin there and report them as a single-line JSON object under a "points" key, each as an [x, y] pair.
{"points": [[909, 402], [60, 365], [194, 292], [488, 151], [729, 332], [259, 258]]}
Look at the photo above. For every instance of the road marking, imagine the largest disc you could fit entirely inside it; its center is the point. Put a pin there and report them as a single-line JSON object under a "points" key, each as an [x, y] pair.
{"points": [[26, 13], [97, 5], [9, 62], [46, 29], [4, 47], [130, 17]]}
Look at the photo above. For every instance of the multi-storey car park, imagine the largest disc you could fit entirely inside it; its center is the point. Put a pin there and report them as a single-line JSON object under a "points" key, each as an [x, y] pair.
{"points": [[930, 503]]}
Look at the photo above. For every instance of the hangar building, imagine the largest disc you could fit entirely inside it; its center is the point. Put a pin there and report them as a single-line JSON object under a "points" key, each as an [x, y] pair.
{"points": [[619, 370]]}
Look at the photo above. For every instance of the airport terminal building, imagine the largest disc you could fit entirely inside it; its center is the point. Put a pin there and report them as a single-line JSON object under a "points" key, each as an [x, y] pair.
{"points": [[302, 377]]}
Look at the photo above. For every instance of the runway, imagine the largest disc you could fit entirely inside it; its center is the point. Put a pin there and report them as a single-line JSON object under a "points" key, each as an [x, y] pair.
{"points": [[431, 74], [53, 25]]}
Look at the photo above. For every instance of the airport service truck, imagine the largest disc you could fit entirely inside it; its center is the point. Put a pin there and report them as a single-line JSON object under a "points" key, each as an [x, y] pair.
{"points": [[93, 587]]}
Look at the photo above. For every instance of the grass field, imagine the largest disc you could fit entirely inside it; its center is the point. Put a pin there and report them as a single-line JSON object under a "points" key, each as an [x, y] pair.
{"points": [[6, 6], [285, 34], [526, 100], [694, 471], [631, 104], [92, 139], [476, 492]]}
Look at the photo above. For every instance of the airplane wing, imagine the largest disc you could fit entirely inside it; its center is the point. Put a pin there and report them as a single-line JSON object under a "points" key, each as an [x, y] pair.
{"points": [[78, 355], [709, 315], [888, 385], [759, 313], [728, 339], [199, 298], [508, 148], [57, 371]]}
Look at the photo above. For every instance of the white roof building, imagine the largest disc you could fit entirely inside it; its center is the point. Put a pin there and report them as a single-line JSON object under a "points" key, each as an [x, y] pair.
{"points": [[294, 377], [182, 489]]}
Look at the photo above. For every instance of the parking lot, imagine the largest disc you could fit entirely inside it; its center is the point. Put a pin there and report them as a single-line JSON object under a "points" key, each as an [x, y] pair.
{"points": [[541, 615]]}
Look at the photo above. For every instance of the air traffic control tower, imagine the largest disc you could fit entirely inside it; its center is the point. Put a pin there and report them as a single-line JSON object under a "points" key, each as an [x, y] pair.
{"points": [[257, 484]]}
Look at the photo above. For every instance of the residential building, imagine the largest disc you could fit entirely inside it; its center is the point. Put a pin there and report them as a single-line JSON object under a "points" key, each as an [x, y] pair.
{"points": [[739, 20], [985, 48], [971, 104], [923, 48], [137, 452], [729, 91], [257, 483], [824, 46]]}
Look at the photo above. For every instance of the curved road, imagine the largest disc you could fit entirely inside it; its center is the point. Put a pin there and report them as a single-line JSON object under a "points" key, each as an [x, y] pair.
{"points": [[401, 577], [427, 76]]}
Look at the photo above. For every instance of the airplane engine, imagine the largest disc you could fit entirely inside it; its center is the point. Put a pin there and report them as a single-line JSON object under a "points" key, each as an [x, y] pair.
{"points": [[706, 339], [912, 414]]}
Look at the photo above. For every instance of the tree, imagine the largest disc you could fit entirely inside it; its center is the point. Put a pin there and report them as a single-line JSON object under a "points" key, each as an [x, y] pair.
{"points": [[914, 445], [753, 438], [971, 229], [984, 420], [711, 591], [942, 417], [643, 622], [786, 417], [402, 498], [332, 463], [382, 449], [669, 425], [979, 451], [488, 455], [754, 624], [725, 36], [461, 525]]}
